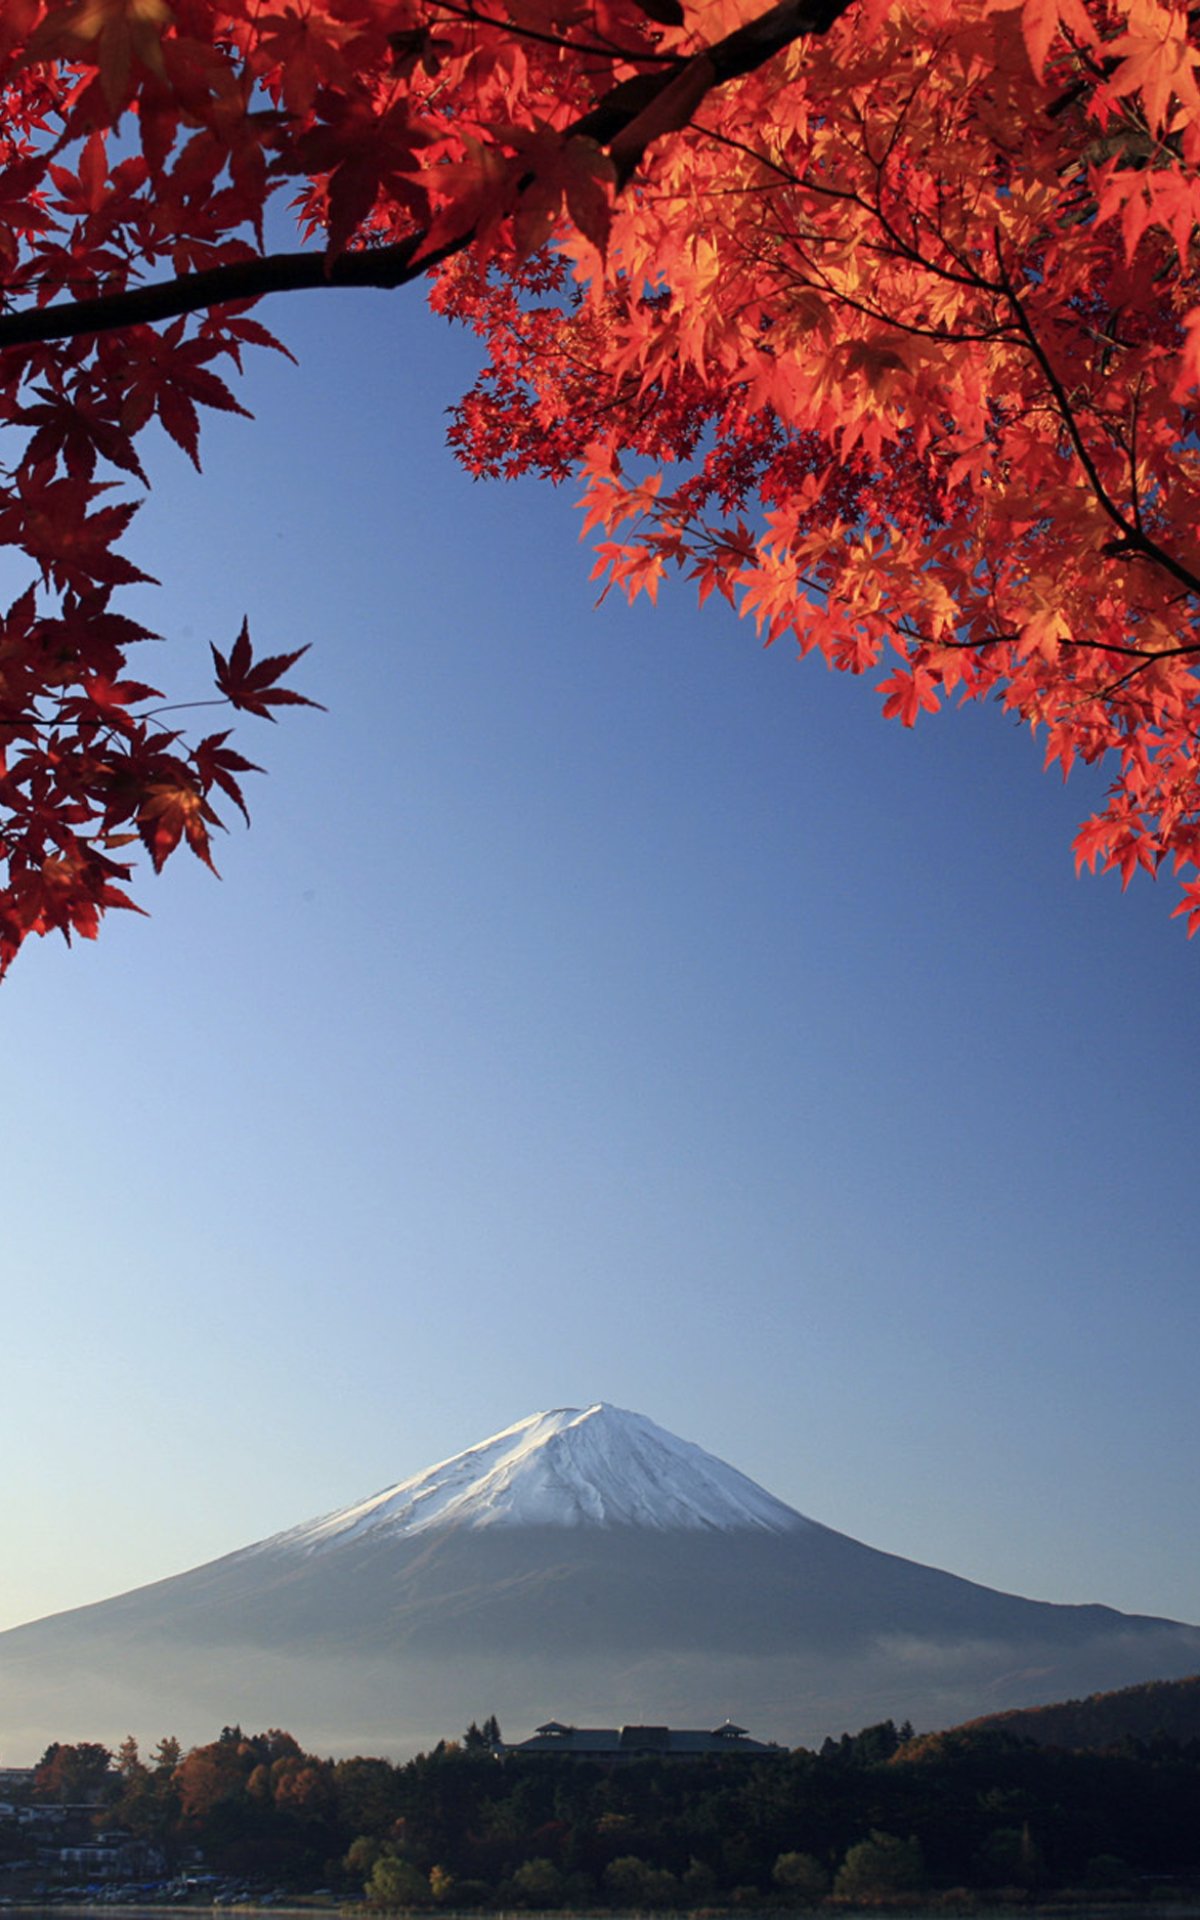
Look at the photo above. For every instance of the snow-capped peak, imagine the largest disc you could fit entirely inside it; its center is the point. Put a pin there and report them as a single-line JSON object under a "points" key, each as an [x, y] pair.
{"points": [[599, 1467]]}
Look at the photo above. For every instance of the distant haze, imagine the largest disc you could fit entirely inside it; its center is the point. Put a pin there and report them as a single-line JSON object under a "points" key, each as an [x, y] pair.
{"points": [[584, 1566]]}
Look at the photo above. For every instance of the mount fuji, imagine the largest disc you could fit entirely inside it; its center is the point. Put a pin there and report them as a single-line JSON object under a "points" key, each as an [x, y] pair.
{"points": [[583, 1565]]}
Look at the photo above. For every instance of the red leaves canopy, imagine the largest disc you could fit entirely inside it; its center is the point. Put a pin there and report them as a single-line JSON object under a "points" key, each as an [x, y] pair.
{"points": [[879, 318]]}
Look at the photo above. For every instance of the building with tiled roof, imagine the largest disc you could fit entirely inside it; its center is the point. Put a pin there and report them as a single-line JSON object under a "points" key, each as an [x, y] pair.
{"points": [[616, 1744]]}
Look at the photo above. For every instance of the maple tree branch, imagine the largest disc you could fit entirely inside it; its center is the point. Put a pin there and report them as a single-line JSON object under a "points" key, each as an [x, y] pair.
{"points": [[1126, 679], [1134, 540], [603, 49], [787, 175], [1144, 655], [818, 280], [388, 267], [739, 53]]}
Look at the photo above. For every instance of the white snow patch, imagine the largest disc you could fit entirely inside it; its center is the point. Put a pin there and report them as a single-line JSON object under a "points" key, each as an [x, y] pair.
{"points": [[599, 1467]]}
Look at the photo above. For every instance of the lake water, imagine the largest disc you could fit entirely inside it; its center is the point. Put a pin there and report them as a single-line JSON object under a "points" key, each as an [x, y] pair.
{"points": [[1163, 1908]]}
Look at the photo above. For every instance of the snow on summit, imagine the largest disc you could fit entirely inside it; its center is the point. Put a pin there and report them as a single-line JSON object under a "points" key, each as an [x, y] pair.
{"points": [[598, 1466]]}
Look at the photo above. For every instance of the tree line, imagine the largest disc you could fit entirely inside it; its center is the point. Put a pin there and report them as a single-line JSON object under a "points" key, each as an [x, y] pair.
{"points": [[873, 1815]]}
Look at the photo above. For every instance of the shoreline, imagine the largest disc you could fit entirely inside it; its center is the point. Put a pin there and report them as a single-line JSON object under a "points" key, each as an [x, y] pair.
{"points": [[1163, 1907]]}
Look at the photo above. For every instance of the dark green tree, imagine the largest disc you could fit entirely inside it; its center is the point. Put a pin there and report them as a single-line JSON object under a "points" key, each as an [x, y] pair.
{"points": [[880, 1866]]}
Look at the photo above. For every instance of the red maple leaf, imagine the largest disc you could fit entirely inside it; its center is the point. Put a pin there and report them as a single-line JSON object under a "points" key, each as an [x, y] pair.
{"points": [[218, 765], [171, 811], [250, 685]]}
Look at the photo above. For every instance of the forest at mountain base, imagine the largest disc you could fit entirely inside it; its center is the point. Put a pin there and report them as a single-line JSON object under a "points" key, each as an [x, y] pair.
{"points": [[974, 1813]]}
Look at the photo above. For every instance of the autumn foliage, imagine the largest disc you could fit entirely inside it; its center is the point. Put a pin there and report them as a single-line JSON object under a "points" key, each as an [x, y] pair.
{"points": [[879, 319]]}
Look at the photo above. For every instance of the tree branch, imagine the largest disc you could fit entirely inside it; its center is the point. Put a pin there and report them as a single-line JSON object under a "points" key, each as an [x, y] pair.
{"points": [[241, 280], [1132, 539]]}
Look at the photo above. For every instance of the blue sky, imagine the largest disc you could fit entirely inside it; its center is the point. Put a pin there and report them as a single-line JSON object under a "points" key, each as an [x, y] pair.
{"points": [[600, 1007]]}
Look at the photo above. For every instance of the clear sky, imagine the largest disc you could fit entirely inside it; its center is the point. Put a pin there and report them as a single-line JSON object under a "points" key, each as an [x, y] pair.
{"points": [[601, 1007]]}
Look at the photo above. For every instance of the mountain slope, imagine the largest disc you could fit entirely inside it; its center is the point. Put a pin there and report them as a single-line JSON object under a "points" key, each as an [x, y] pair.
{"points": [[582, 1566], [1159, 1707]]}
